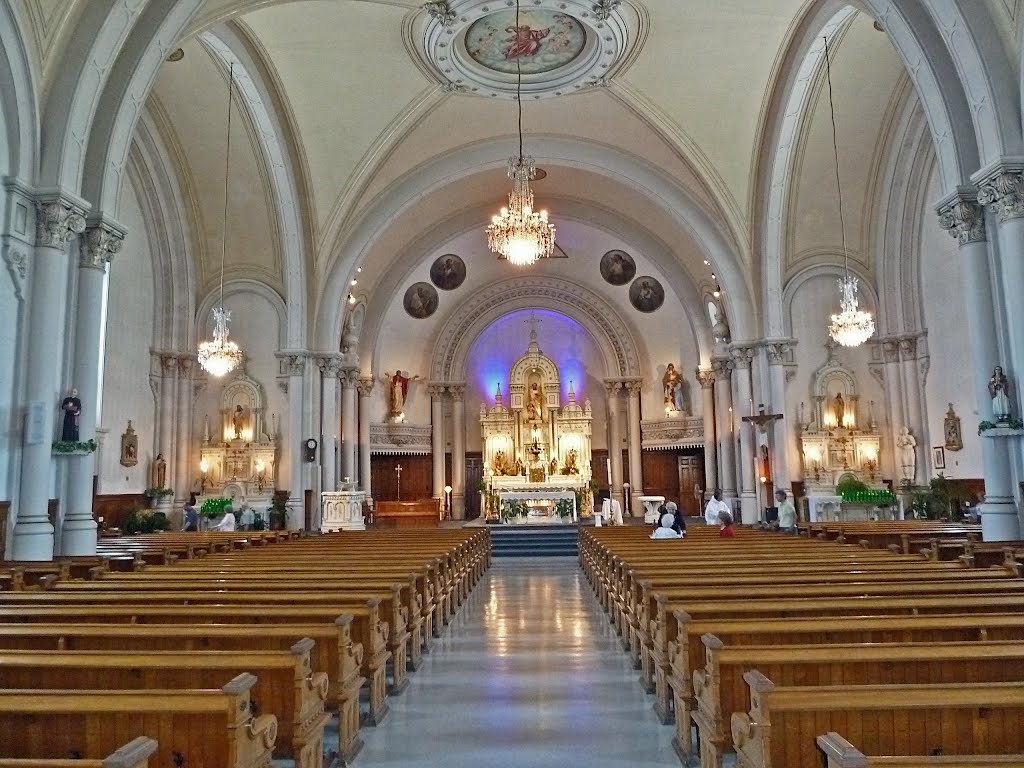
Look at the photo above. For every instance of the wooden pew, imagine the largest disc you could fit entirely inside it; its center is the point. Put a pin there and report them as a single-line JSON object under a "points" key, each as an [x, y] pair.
{"points": [[134, 754], [203, 727], [842, 754], [720, 689], [333, 653], [287, 686], [779, 729]]}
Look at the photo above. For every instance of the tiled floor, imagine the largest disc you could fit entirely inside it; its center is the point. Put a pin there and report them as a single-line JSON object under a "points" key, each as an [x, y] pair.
{"points": [[530, 674]]}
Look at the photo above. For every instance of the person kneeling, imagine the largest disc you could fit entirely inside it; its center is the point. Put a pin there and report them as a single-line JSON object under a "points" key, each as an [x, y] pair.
{"points": [[664, 530]]}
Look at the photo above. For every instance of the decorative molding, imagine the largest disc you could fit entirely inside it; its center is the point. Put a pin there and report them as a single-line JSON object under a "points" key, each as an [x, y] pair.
{"points": [[634, 388], [365, 386], [400, 439], [292, 361], [457, 391], [57, 222], [329, 365], [742, 355], [779, 351], [1003, 194], [17, 264], [441, 13], [603, 9], [100, 244], [706, 379], [612, 388], [722, 367], [964, 218], [669, 434]]}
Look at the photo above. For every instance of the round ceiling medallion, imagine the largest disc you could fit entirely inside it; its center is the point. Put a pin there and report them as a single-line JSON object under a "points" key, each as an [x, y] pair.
{"points": [[562, 46], [543, 42]]}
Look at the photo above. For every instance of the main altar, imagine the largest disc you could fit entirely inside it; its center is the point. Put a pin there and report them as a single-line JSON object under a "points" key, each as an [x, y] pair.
{"points": [[537, 451]]}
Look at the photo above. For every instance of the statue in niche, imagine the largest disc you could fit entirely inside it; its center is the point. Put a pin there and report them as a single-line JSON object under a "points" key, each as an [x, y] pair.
{"points": [[535, 403], [72, 408], [239, 421], [500, 463], [672, 383], [399, 389], [158, 472], [553, 466], [520, 467], [571, 468], [129, 447], [999, 390], [906, 445], [951, 430], [839, 409]]}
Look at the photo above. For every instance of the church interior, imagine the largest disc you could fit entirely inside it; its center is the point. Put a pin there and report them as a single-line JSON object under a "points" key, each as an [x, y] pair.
{"points": [[415, 318]]}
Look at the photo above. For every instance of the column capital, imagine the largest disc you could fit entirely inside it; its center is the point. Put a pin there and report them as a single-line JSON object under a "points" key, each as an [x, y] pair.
{"points": [[963, 217], [349, 376], [329, 364], [779, 351], [457, 391], [186, 364], [742, 355], [612, 388], [1002, 192], [58, 220], [100, 243], [722, 367], [436, 390], [706, 378], [634, 387], [365, 386], [293, 361]]}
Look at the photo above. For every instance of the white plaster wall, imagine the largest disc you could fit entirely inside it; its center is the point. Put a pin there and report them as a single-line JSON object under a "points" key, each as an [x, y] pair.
{"points": [[813, 302], [255, 327], [950, 378], [130, 322]]}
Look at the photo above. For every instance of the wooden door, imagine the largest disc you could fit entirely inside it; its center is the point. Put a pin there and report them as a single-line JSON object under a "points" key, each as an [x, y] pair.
{"points": [[691, 473], [474, 474]]}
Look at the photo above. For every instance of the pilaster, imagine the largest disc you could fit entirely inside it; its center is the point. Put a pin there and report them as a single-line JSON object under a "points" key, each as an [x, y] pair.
{"points": [[293, 366], [706, 379], [613, 389], [436, 392], [742, 357], [349, 378], [458, 500], [633, 389], [722, 368], [365, 389]]}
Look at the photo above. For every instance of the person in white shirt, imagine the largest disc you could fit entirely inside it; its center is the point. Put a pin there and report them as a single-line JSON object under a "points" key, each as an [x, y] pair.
{"points": [[227, 523], [787, 513], [715, 508], [664, 531]]}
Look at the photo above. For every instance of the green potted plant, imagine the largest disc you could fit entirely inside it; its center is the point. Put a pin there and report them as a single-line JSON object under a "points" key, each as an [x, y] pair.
{"points": [[564, 507], [278, 512]]}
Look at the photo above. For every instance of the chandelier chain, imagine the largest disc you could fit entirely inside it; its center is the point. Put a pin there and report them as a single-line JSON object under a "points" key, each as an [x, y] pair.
{"points": [[519, 89], [227, 175], [835, 153]]}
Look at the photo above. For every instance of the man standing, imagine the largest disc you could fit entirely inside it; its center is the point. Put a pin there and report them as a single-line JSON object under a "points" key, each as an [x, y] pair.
{"points": [[715, 508], [787, 512]]}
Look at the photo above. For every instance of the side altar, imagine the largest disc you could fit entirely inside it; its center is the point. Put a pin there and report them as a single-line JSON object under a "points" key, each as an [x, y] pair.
{"points": [[536, 451]]}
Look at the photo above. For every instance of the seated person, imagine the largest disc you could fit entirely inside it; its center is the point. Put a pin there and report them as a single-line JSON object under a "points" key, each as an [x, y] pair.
{"points": [[678, 521], [227, 523], [725, 521], [664, 530]]}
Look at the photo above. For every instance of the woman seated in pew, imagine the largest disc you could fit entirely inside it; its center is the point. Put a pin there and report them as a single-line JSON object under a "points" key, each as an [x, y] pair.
{"points": [[227, 523], [725, 521], [664, 530]]}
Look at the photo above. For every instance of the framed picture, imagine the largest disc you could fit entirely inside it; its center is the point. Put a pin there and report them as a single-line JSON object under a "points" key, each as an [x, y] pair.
{"points": [[646, 294], [617, 267], [448, 272], [421, 300], [939, 457]]}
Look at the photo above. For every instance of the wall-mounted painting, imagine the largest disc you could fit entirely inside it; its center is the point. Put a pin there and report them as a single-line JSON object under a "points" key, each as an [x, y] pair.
{"points": [[448, 272], [420, 300], [646, 294], [617, 267]]}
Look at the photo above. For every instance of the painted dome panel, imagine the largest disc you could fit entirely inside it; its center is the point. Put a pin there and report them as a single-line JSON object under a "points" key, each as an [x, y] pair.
{"points": [[544, 41]]}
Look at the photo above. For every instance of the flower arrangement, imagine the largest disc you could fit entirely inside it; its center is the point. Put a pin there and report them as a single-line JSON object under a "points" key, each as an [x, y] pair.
{"points": [[74, 446], [514, 508], [137, 520], [158, 493], [564, 507], [214, 507], [985, 426]]}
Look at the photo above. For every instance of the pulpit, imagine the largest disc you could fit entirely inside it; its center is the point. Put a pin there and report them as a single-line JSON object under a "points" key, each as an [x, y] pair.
{"points": [[342, 511]]}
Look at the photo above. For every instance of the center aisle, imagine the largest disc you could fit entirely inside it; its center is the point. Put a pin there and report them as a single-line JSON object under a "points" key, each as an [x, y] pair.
{"points": [[530, 675]]}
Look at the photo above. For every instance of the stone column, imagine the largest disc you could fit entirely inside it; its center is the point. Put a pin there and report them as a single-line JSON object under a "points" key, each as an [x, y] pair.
{"points": [[329, 372], [778, 351], [365, 388], [349, 426], [964, 218], [612, 390], [636, 466], [725, 429], [185, 469], [706, 379], [294, 365], [458, 393], [57, 221], [97, 247], [908, 349], [894, 403], [1002, 192], [742, 355], [437, 438]]}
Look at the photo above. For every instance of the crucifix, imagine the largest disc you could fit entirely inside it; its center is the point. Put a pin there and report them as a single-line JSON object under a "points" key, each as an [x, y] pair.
{"points": [[533, 322], [398, 472]]}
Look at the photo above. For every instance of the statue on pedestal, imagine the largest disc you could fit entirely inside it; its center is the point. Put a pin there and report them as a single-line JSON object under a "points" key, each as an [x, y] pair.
{"points": [[158, 472], [839, 409], [535, 404], [906, 444], [672, 383], [999, 390], [399, 383], [72, 408]]}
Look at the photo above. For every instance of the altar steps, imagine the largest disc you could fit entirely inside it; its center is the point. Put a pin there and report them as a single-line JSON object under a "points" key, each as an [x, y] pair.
{"points": [[534, 541]]}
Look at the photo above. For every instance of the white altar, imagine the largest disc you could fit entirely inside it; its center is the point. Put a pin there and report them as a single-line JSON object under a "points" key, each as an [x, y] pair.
{"points": [[342, 511]]}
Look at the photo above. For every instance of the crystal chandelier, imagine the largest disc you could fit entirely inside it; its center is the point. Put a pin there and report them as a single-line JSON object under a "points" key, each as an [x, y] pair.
{"points": [[521, 234], [221, 356], [852, 326]]}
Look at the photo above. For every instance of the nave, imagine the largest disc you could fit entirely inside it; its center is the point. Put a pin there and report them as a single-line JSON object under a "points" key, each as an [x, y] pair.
{"points": [[529, 674]]}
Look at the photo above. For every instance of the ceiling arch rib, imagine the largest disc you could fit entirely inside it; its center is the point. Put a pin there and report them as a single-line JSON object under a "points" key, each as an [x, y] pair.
{"points": [[19, 116], [604, 161], [226, 47]]}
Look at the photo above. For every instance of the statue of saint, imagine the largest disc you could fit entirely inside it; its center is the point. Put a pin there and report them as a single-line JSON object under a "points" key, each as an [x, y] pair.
{"points": [[906, 444], [238, 421], [399, 383], [520, 467], [500, 463], [999, 390], [535, 403], [672, 383], [839, 409], [553, 466], [72, 408], [570, 463], [158, 473]]}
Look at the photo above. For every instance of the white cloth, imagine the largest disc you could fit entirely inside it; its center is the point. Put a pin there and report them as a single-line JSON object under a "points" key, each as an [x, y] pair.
{"points": [[227, 523], [665, 533], [616, 512], [714, 509]]}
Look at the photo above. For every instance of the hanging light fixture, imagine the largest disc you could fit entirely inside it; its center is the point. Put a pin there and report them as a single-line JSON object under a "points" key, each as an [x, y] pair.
{"points": [[852, 326], [521, 234], [221, 356]]}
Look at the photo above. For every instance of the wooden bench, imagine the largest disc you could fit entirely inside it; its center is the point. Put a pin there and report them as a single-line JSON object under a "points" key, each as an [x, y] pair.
{"points": [[200, 727], [134, 754], [842, 754], [779, 729], [287, 686], [720, 689]]}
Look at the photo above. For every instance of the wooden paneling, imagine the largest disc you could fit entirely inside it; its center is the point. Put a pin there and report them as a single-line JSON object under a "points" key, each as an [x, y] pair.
{"points": [[672, 474], [112, 506], [417, 477]]}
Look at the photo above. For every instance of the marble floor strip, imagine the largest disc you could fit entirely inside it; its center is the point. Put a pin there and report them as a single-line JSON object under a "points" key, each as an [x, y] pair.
{"points": [[530, 674]]}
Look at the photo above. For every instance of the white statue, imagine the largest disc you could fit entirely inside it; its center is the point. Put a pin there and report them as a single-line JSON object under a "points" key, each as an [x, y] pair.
{"points": [[999, 390], [906, 446]]}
